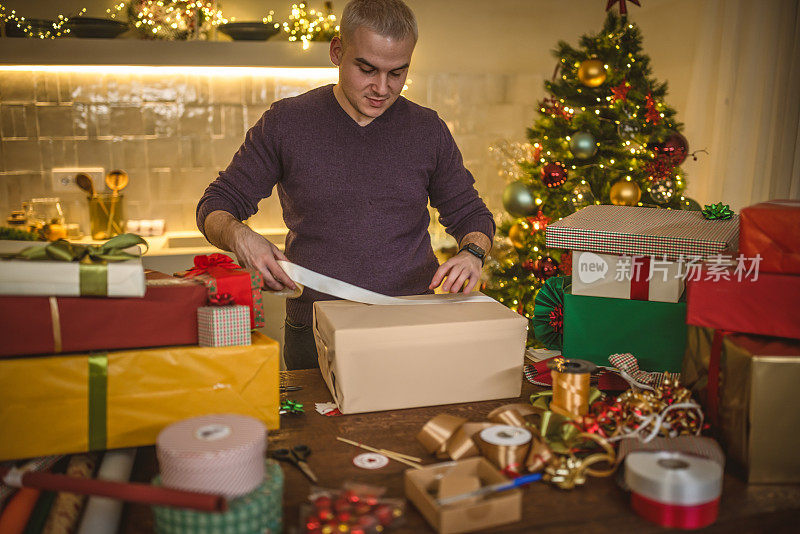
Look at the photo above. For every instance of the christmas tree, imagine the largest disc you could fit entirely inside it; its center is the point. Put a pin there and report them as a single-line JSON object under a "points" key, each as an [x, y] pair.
{"points": [[604, 135]]}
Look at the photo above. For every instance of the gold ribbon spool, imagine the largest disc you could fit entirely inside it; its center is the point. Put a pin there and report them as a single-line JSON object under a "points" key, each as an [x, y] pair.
{"points": [[571, 383]]}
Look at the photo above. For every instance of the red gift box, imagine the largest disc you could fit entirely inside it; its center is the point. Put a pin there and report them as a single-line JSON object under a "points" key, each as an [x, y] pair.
{"points": [[221, 276], [768, 305], [772, 230], [166, 315]]}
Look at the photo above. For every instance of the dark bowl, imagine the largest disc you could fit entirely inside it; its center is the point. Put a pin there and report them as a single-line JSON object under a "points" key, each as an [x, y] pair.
{"points": [[94, 28], [43, 25], [248, 31]]}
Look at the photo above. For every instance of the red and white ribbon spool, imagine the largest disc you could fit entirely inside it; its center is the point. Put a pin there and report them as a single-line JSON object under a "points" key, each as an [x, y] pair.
{"points": [[221, 454], [674, 489]]}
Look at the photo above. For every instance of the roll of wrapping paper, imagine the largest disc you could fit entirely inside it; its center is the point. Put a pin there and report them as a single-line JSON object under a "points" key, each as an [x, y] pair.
{"points": [[571, 383], [143, 493], [67, 507], [39, 516], [18, 511], [221, 453], [258, 512], [674, 489], [102, 514], [37, 464]]}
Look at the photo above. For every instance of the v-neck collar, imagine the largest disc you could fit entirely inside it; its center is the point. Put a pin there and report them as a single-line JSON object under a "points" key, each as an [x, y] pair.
{"points": [[346, 116]]}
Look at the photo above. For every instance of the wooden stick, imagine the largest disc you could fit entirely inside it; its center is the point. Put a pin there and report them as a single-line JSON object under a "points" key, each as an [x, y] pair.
{"points": [[401, 455], [389, 454]]}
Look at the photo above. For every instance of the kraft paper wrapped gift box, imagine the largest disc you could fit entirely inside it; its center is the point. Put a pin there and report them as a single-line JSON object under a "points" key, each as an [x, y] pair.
{"points": [[377, 358], [68, 404], [755, 409]]}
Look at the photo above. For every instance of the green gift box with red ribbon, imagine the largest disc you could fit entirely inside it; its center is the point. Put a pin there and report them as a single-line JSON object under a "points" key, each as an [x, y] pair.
{"points": [[221, 275]]}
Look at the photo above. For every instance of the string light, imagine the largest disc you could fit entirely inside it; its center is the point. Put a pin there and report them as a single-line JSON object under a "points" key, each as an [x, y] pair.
{"points": [[57, 27], [171, 19], [310, 25]]}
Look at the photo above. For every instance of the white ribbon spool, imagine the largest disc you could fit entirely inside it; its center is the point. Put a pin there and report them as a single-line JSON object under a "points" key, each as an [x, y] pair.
{"points": [[673, 477], [219, 454]]}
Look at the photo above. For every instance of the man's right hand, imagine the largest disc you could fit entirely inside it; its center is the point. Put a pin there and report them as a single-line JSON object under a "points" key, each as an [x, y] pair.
{"points": [[253, 251]]}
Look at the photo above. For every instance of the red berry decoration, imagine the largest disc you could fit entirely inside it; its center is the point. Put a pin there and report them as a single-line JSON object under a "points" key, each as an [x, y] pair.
{"points": [[554, 175], [545, 268]]}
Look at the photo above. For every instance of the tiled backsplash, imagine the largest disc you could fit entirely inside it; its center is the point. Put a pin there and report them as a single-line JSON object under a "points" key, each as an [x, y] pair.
{"points": [[173, 132]]}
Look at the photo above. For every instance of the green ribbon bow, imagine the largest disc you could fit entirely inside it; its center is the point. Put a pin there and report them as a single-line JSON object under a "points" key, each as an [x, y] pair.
{"points": [[555, 429], [93, 259], [291, 407], [718, 211]]}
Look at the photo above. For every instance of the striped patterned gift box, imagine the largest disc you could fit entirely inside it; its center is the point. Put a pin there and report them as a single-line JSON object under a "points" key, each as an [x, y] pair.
{"points": [[223, 326], [637, 230]]}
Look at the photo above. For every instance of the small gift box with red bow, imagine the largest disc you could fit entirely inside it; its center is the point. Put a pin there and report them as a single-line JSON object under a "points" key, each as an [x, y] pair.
{"points": [[223, 324], [222, 276]]}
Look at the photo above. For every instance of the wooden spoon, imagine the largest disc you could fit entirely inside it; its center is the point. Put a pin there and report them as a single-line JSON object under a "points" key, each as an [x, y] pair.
{"points": [[116, 180], [85, 182]]}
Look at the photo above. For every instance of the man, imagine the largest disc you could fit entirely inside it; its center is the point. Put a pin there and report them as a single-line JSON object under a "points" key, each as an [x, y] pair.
{"points": [[354, 164]]}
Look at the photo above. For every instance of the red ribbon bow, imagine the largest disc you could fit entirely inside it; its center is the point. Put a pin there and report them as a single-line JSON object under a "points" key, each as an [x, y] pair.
{"points": [[221, 299], [203, 263]]}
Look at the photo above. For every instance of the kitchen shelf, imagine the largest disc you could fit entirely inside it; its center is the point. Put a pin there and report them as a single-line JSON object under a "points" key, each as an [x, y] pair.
{"points": [[135, 52]]}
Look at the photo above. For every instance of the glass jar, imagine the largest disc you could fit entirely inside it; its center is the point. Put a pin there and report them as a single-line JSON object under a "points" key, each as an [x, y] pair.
{"points": [[106, 216]]}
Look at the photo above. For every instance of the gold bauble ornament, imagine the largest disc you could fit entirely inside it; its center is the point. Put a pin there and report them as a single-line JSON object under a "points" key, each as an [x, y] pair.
{"points": [[517, 236], [592, 73], [625, 193]]}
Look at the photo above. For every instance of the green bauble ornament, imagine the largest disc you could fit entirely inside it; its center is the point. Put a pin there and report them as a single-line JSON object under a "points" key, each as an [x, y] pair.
{"points": [[518, 200], [662, 190], [583, 145]]}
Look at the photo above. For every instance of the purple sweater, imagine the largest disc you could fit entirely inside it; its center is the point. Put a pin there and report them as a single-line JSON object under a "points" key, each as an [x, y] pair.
{"points": [[354, 197]]}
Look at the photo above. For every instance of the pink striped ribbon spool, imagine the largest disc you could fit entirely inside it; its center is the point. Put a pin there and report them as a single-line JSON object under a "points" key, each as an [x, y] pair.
{"points": [[220, 454]]}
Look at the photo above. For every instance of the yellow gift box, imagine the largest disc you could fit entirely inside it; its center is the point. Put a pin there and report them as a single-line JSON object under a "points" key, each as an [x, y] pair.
{"points": [[74, 403]]}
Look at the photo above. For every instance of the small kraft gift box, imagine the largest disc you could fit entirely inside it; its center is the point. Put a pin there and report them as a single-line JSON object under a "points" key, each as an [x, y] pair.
{"points": [[386, 357], [638, 253], [468, 515], [748, 386]]}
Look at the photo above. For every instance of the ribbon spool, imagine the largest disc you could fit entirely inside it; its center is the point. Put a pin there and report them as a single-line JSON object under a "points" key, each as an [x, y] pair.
{"points": [[221, 454], [258, 512], [505, 446], [570, 386], [673, 489]]}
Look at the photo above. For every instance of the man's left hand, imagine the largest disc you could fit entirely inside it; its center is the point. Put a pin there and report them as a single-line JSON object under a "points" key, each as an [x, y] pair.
{"points": [[459, 269]]}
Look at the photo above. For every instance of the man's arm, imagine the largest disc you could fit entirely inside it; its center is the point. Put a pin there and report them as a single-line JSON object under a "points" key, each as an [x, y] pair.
{"points": [[252, 250], [452, 192]]}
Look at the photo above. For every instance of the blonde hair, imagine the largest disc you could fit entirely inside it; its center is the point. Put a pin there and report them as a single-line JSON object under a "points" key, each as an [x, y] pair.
{"points": [[389, 18]]}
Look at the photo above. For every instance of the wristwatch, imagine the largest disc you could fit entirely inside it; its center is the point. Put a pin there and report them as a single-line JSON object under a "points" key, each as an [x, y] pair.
{"points": [[475, 250]]}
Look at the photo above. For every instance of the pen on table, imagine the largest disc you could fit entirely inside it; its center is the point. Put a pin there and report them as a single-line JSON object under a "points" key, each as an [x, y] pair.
{"points": [[494, 488]]}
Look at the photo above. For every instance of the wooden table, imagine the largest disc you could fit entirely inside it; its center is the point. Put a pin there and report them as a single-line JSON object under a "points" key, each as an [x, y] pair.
{"points": [[598, 506]]}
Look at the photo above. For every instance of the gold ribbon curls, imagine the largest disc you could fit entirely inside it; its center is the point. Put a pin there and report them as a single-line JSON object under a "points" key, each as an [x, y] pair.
{"points": [[507, 439]]}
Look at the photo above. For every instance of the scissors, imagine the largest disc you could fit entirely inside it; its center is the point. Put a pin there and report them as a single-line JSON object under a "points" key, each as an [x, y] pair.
{"points": [[296, 456]]}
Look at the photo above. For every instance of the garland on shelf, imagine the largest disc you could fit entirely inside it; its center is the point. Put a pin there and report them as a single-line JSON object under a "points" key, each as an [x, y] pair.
{"points": [[50, 30]]}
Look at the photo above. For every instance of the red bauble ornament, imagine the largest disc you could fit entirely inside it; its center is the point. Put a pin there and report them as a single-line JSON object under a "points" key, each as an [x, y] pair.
{"points": [[545, 268], [676, 147], [539, 222], [528, 265], [554, 175], [566, 263]]}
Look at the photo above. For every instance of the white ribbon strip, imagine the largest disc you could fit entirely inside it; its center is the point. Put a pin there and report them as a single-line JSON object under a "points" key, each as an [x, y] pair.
{"points": [[343, 290]]}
